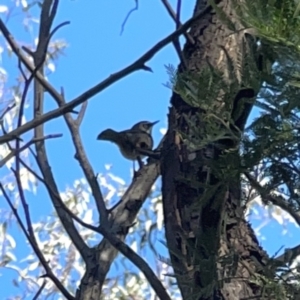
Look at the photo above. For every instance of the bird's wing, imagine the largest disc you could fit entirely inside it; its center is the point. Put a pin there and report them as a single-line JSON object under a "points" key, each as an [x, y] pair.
{"points": [[139, 139]]}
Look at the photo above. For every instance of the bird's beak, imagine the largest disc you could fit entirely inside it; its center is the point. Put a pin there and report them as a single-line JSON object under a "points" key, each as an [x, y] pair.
{"points": [[99, 136], [152, 124]]}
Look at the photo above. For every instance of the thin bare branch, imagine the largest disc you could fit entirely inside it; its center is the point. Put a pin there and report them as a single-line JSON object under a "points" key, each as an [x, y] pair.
{"points": [[180, 54], [48, 12], [6, 110], [36, 297], [25, 206], [28, 144], [41, 179], [35, 247], [178, 12], [176, 18], [21, 69], [85, 164], [139, 64], [128, 15], [176, 43], [31, 53]]}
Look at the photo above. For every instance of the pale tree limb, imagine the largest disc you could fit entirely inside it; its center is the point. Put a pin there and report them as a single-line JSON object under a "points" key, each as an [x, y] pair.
{"points": [[121, 219], [81, 113], [139, 64]]}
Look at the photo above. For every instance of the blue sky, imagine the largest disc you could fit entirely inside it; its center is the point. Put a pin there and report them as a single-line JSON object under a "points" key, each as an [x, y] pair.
{"points": [[95, 51]]}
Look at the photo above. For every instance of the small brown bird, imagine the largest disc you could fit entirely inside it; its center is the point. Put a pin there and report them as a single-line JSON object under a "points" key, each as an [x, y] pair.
{"points": [[131, 140]]}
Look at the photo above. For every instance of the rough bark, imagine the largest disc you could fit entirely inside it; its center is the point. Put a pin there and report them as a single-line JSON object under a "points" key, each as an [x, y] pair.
{"points": [[200, 239]]}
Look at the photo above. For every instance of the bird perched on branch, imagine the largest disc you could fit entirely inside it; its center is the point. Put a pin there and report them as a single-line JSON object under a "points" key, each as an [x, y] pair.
{"points": [[133, 143]]}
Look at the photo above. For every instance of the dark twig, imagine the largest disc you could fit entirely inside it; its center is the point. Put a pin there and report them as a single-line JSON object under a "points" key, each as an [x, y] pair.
{"points": [[176, 18], [128, 15], [178, 12], [21, 69], [21, 110], [180, 54], [31, 53], [25, 91], [28, 144], [33, 243], [135, 66], [48, 12], [176, 42], [36, 297], [6, 110]]}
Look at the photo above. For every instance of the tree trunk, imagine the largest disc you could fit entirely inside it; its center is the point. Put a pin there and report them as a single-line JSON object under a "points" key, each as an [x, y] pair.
{"points": [[213, 249]]}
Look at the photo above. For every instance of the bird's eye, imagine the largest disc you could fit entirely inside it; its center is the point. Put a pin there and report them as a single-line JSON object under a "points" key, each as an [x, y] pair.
{"points": [[143, 145]]}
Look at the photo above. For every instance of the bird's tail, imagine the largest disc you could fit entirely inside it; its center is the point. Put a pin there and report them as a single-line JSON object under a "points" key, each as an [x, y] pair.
{"points": [[109, 135]]}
